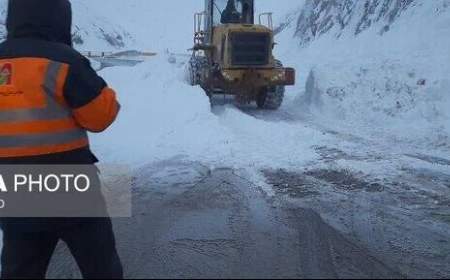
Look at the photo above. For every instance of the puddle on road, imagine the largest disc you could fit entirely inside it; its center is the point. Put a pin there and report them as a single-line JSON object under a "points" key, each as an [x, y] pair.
{"points": [[332, 154], [309, 183], [445, 218], [295, 185], [341, 179], [430, 159], [409, 211]]}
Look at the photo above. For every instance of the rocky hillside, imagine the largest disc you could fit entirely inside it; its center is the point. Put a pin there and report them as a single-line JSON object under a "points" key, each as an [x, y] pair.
{"points": [[91, 30], [352, 17], [377, 65]]}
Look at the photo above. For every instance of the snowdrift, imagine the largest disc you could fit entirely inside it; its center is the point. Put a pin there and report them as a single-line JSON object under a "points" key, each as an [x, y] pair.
{"points": [[392, 85], [158, 111], [380, 100], [163, 117]]}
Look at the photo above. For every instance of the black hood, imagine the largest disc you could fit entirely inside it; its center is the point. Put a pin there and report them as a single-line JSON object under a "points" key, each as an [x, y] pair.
{"points": [[49, 20], [231, 5]]}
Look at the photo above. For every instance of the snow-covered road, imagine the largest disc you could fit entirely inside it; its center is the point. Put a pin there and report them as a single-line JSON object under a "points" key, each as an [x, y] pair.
{"points": [[238, 192], [192, 222], [391, 197]]}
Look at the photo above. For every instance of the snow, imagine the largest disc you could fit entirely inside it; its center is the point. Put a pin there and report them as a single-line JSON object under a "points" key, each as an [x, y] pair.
{"points": [[369, 85], [379, 98], [93, 30], [163, 117], [146, 22], [365, 85], [369, 105]]}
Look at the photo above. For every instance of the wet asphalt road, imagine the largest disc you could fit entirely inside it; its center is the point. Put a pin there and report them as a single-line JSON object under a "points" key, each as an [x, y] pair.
{"points": [[202, 224]]}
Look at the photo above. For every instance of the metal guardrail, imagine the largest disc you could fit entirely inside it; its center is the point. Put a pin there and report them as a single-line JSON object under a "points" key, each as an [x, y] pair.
{"points": [[109, 54], [123, 58], [269, 20], [92, 54]]}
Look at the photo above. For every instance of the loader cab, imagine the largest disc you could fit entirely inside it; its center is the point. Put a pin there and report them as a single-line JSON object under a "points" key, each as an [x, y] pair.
{"points": [[232, 12], [220, 14], [229, 12], [230, 38]]}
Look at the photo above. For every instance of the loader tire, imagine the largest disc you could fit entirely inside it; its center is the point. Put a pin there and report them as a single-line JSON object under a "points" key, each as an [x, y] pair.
{"points": [[272, 97], [196, 66], [278, 64]]}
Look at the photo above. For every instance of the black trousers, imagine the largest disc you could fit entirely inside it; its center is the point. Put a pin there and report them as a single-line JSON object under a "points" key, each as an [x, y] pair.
{"points": [[91, 242]]}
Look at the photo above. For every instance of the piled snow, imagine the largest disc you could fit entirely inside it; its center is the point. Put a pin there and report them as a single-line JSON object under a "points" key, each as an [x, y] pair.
{"points": [[393, 86], [162, 117], [379, 99]]}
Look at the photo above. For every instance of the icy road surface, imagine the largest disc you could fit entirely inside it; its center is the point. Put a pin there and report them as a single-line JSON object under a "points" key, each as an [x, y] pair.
{"points": [[390, 219], [236, 192], [191, 222]]}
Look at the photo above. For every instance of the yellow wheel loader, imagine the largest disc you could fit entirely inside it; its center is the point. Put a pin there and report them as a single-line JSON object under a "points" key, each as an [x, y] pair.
{"points": [[232, 55]]}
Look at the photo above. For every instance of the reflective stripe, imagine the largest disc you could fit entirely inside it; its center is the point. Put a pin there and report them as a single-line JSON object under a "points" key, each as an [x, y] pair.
{"points": [[50, 87], [42, 150], [38, 140], [21, 128], [42, 139], [51, 112]]}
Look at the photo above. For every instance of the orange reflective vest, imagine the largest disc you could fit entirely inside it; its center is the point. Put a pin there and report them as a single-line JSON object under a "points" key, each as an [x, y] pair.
{"points": [[34, 117]]}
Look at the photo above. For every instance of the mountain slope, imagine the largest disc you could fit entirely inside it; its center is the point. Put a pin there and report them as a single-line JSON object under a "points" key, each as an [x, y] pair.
{"points": [[351, 16], [91, 29], [373, 68]]}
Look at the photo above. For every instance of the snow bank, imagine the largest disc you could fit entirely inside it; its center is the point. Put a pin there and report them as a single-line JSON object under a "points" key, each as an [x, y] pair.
{"points": [[162, 117], [380, 99], [158, 111], [393, 86]]}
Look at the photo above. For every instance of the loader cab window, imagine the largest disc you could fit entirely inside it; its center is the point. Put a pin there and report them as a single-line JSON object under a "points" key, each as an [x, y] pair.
{"points": [[232, 11], [247, 14]]}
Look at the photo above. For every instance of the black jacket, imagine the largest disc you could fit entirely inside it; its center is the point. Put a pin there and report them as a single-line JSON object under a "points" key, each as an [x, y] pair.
{"points": [[42, 29], [230, 14]]}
